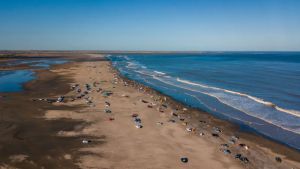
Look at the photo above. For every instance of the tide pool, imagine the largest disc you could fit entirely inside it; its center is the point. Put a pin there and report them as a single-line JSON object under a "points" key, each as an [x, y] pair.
{"points": [[13, 80]]}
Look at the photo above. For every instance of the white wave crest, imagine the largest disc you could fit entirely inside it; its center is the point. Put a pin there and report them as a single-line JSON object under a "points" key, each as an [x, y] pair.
{"points": [[158, 72], [231, 102], [270, 104]]}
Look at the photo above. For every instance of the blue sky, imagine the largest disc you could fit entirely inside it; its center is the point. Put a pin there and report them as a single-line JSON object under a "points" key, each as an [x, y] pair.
{"points": [[150, 24]]}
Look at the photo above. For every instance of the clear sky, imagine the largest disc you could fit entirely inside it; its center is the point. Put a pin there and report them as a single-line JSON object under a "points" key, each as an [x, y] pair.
{"points": [[150, 24]]}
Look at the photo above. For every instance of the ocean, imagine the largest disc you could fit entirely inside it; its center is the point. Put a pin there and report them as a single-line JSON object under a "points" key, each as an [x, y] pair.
{"points": [[260, 91]]}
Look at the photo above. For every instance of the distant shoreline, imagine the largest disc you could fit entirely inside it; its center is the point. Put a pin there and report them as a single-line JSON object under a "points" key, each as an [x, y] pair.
{"points": [[68, 53]]}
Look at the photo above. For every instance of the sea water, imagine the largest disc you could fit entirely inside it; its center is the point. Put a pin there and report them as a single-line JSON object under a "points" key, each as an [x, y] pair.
{"points": [[13, 80], [259, 91]]}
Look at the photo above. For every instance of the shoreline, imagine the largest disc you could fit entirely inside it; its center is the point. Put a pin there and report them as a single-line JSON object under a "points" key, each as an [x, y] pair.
{"points": [[86, 127], [248, 102], [248, 134]]}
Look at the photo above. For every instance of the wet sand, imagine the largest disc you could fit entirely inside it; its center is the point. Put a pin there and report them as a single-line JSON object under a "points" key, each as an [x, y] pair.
{"points": [[37, 134], [24, 132]]}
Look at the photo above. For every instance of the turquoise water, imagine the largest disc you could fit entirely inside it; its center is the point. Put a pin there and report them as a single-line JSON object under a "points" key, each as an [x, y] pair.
{"points": [[259, 91], [13, 80]]}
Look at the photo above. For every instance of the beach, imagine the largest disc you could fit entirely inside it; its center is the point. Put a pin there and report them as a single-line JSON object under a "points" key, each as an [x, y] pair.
{"points": [[104, 120]]}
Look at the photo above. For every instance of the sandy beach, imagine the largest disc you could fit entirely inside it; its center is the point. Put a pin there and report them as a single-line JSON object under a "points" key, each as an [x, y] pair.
{"points": [[145, 84], [105, 121]]}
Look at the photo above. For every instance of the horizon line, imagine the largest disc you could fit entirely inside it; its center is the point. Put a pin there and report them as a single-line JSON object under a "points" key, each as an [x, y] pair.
{"points": [[143, 51]]}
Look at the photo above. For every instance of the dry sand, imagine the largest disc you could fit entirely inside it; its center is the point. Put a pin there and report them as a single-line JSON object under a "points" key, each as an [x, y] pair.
{"points": [[125, 146]]}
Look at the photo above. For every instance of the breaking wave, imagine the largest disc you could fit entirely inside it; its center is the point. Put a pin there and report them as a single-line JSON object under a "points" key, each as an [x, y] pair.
{"points": [[158, 72], [287, 121], [270, 104]]}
